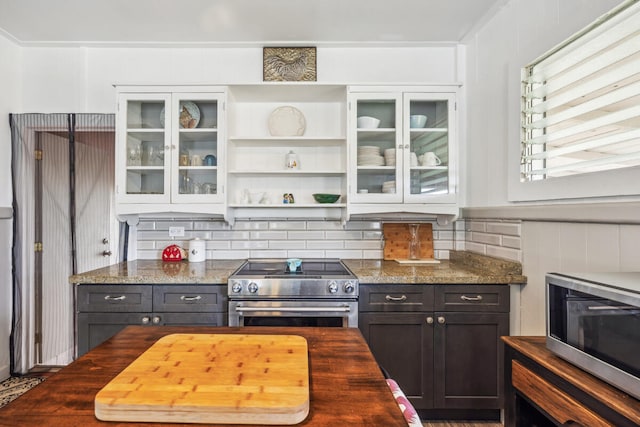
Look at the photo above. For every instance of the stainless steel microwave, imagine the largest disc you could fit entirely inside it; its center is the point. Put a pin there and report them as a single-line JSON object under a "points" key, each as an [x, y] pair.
{"points": [[593, 321]]}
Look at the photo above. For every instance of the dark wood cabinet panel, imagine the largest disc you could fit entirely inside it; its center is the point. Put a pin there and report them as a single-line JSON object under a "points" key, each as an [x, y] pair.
{"points": [[104, 310], [446, 359], [403, 346], [468, 364]]}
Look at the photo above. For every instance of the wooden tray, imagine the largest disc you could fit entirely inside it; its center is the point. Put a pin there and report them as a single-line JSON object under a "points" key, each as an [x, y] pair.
{"points": [[212, 378], [397, 237]]}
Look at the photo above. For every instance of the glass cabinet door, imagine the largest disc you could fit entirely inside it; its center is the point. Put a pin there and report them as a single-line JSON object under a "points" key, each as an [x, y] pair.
{"points": [[427, 132], [197, 150], [146, 144], [377, 152]]}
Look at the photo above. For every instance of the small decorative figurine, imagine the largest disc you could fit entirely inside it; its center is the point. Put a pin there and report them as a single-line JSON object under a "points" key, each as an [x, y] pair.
{"points": [[287, 198]]}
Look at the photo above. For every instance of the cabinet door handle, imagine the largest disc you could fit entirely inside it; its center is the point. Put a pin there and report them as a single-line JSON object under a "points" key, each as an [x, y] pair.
{"points": [[119, 298], [441, 320], [390, 298], [429, 320], [186, 298], [476, 298]]}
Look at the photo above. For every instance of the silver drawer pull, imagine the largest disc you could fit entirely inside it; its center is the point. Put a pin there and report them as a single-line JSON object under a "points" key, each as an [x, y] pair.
{"points": [[110, 298], [476, 298], [390, 298], [186, 298]]}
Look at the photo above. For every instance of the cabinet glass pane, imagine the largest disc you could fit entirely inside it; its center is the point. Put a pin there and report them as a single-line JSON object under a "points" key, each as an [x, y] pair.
{"points": [[377, 154], [145, 147], [198, 147], [430, 143]]}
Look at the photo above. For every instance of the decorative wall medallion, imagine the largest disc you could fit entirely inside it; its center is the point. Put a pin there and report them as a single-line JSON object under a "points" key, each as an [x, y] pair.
{"points": [[289, 64]]}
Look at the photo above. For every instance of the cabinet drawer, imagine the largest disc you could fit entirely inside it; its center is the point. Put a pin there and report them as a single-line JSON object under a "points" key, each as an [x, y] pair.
{"points": [[555, 402], [494, 298], [395, 298], [190, 298], [114, 298]]}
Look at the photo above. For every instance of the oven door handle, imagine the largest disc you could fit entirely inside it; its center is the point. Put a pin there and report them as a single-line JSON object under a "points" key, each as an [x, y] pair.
{"points": [[344, 309]]}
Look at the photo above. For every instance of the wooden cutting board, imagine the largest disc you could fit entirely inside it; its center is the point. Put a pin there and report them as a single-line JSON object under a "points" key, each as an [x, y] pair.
{"points": [[212, 378], [397, 237]]}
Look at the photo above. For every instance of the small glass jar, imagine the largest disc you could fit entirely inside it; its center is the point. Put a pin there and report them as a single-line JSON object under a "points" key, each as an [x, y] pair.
{"points": [[292, 161]]}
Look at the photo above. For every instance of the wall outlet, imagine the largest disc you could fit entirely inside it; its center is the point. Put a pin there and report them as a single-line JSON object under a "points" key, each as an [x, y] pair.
{"points": [[176, 231]]}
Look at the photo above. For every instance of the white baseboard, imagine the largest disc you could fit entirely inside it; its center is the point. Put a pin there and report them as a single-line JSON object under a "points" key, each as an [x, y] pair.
{"points": [[4, 372]]}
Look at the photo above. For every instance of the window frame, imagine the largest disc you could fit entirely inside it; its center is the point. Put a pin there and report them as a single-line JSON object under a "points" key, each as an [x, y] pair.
{"points": [[615, 183]]}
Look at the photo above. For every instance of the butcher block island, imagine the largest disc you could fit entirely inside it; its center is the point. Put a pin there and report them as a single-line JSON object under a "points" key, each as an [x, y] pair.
{"points": [[346, 386], [212, 378]]}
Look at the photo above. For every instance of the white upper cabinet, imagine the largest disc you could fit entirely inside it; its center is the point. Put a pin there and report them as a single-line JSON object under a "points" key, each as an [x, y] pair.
{"points": [[267, 150], [403, 150], [170, 150]]}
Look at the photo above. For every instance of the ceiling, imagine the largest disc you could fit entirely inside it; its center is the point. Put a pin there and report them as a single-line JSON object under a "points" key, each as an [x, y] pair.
{"points": [[241, 22]]}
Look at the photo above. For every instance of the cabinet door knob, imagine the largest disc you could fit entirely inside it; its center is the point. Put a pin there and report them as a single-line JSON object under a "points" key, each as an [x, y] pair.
{"points": [[441, 320], [145, 320], [429, 320], [156, 320]]}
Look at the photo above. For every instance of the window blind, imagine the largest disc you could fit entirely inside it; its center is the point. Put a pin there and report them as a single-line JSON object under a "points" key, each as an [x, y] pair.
{"points": [[581, 101]]}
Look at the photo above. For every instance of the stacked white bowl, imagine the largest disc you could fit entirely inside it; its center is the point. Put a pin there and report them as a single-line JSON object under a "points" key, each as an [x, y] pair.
{"points": [[389, 187], [369, 155], [390, 157]]}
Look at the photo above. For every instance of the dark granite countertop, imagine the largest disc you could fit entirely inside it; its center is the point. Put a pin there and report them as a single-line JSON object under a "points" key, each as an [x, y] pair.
{"points": [[462, 268]]}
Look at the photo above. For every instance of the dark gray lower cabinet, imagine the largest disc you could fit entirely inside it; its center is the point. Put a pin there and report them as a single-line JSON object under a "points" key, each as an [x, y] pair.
{"points": [[104, 310], [441, 343]]}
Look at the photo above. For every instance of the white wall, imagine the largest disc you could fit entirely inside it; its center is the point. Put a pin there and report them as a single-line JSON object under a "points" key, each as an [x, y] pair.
{"points": [[82, 79], [520, 32], [9, 99]]}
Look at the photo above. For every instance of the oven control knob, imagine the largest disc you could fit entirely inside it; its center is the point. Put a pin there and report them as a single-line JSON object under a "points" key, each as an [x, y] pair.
{"points": [[253, 287], [349, 287], [236, 287], [333, 287]]}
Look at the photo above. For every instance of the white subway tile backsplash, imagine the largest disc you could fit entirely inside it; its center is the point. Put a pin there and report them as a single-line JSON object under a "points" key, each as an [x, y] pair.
{"points": [[306, 235], [287, 225], [287, 244], [252, 225], [268, 235], [508, 228], [250, 244], [320, 239], [324, 225], [325, 244], [346, 254], [367, 254], [511, 242], [362, 244], [479, 226], [345, 235], [489, 239]]}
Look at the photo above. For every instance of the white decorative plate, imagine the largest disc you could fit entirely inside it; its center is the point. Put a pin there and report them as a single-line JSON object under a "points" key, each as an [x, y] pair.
{"points": [[287, 121], [188, 115]]}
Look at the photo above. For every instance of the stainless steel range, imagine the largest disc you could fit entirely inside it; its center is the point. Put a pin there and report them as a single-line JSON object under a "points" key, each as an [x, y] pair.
{"points": [[320, 292]]}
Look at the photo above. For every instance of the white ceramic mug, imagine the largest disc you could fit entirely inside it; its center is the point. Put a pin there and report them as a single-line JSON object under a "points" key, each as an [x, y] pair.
{"points": [[413, 159], [430, 159], [196, 161]]}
